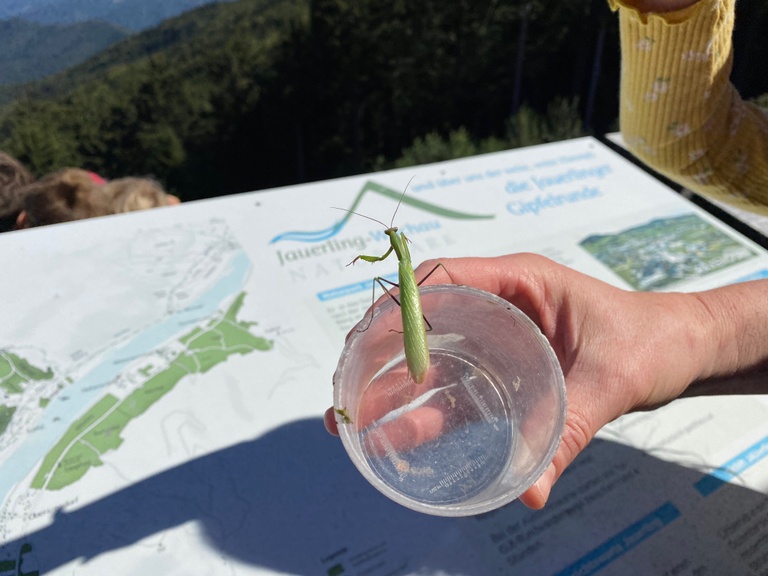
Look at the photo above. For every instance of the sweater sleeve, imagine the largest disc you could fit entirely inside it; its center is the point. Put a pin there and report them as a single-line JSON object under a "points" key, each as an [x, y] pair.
{"points": [[679, 112]]}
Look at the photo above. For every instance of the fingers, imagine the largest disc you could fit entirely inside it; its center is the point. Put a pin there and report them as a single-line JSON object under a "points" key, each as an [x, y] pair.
{"points": [[537, 495], [329, 419], [405, 433], [498, 275], [387, 393], [426, 423], [383, 395], [576, 436], [529, 281], [390, 391]]}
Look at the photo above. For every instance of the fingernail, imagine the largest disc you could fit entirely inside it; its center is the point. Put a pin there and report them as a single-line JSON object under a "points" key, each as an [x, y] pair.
{"points": [[544, 484]]}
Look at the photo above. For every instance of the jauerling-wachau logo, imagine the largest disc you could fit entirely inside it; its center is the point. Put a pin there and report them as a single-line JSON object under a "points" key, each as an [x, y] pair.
{"points": [[374, 188]]}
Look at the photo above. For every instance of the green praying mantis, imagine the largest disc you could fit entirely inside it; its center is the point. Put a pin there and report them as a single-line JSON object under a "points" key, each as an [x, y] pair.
{"points": [[415, 324]]}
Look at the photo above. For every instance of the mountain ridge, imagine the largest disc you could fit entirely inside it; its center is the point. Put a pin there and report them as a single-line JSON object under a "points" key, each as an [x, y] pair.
{"points": [[30, 51], [133, 15]]}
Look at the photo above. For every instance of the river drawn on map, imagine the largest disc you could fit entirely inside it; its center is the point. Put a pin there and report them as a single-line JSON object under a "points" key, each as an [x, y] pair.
{"points": [[666, 251]]}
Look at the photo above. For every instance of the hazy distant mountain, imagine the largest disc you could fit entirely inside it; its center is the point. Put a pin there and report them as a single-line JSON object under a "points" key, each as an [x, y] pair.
{"points": [[30, 51], [13, 8], [130, 14]]}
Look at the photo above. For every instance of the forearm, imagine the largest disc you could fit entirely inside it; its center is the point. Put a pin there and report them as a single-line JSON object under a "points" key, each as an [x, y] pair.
{"points": [[679, 112], [738, 317]]}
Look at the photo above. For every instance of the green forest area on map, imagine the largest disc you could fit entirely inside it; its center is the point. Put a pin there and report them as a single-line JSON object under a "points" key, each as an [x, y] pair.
{"points": [[15, 374], [99, 429]]}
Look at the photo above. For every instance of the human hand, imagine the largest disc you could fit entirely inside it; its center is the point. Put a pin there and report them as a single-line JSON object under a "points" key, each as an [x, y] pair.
{"points": [[619, 351]]}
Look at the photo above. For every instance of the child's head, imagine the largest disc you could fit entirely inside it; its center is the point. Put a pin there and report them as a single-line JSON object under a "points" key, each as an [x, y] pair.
{"points": [[129, 194], [13, 177], [66, 195]]}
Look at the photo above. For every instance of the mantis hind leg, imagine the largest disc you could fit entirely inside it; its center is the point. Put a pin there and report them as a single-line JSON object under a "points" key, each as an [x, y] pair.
{"points": [[380, 280], [396, 285]]}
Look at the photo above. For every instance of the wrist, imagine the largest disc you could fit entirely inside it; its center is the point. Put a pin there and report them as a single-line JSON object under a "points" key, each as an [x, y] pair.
{"points": [[673, 342], [737, 319], [712, 333], [694, 338]]}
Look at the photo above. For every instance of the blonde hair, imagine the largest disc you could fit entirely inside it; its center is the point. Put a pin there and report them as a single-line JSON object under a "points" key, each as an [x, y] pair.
{"points": [[130, 194]]}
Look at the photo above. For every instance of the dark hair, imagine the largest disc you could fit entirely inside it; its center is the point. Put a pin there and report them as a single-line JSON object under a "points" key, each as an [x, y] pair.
{"points": [[63, 196], [13, 177]]}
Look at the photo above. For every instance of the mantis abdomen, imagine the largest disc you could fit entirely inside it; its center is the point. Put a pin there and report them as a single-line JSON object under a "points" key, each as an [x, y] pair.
{"points": [[414, 329]]}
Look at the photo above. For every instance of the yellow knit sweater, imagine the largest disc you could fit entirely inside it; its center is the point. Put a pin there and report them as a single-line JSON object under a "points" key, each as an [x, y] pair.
{"points": [[679, 112]]}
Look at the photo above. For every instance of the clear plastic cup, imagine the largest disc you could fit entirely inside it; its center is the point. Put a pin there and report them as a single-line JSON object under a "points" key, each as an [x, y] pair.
{"points": [[480, 429]]}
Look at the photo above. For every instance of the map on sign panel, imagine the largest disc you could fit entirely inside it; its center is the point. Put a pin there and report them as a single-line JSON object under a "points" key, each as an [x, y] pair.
{"points": [[166, 307]]}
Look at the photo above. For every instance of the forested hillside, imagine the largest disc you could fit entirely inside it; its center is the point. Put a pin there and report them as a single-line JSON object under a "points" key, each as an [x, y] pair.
{"points": [[199, 31], [259, 93]]}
